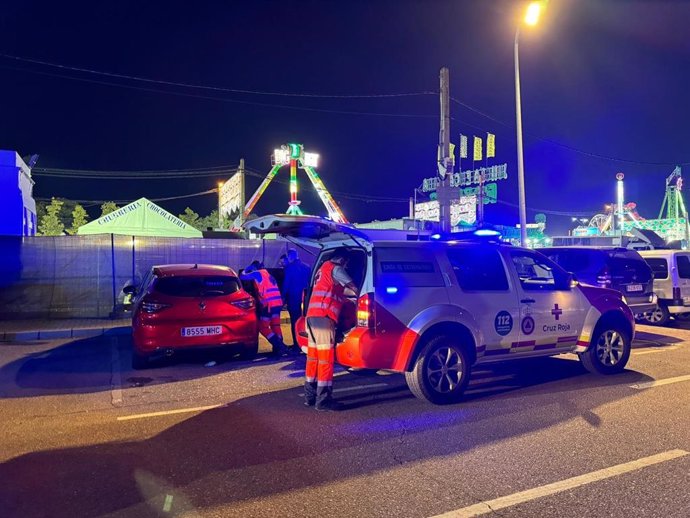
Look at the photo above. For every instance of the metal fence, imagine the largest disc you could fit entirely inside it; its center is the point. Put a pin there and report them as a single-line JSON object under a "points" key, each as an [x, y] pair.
{"points": [[83, 276]]}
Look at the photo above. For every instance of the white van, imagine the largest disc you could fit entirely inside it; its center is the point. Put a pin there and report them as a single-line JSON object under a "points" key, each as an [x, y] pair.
{"points": [[671, 269]]}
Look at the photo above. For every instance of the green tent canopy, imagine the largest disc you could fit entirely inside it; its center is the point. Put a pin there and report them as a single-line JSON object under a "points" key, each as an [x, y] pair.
{"points": [[140, 218]]}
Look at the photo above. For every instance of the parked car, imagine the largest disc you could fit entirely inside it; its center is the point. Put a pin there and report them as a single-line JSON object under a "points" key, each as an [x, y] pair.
{"points": [[671, 269], [435, 309], [191, 306], [610, 267]]}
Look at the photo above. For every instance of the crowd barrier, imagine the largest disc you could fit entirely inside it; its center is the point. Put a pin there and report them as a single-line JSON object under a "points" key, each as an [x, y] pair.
{"points": [[83, 276]]}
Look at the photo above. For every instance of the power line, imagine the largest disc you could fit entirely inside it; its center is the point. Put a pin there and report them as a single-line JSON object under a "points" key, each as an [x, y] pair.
{"points": [[226, 100], [215, 88], [565, 146]]}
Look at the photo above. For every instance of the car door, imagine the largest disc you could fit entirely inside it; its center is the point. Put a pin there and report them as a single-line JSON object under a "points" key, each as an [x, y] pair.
{"points": [[552, 312], [482, 287], [683, 271]]}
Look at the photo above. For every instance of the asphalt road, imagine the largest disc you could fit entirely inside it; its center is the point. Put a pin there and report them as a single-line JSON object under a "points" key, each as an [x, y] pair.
{"points": [[84, 435]]}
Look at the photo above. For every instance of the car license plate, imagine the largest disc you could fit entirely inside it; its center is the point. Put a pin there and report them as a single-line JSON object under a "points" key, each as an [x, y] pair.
{"points": [[201, 331], [634, 287]]}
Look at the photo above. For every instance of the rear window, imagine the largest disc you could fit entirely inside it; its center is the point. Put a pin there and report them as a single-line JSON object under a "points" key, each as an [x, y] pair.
{"points": [[211, 286], [683, 263], [414, 267], [574, 261], [478, 269], [628, 261], [659, 267]]}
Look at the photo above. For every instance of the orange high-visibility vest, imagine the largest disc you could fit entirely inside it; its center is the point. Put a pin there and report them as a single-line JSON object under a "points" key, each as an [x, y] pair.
{"points": [[327, 296], [269, 294]]}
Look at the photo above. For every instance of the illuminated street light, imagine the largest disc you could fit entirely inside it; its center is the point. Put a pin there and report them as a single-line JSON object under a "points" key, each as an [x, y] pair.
{"points": [[531, 18], [532, 13]]}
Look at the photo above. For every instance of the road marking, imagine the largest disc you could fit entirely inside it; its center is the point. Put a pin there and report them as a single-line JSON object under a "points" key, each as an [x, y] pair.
{"points": [[490, 506], [116, 378], [167, 505], [659, 350], [352, 389], [168, 412], [658, 383]]}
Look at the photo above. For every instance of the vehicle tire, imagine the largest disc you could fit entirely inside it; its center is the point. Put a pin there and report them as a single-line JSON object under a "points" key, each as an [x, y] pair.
{"points": [[658, 316], [139, 361], [441, 371], [609, 351], [249, 351]]}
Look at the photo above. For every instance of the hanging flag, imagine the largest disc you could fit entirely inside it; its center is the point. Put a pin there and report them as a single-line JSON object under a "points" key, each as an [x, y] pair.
{"points": [[477, 149], [463, 146], [452, 154], [490, 145]]}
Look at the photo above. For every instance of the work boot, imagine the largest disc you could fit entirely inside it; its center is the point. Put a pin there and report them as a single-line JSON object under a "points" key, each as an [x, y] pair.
{"points": [[279, 348], [309, 393], [329, 405]]}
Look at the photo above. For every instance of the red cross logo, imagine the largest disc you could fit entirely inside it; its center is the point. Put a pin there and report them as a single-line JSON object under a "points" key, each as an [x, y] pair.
{"points": [[556, 311]]}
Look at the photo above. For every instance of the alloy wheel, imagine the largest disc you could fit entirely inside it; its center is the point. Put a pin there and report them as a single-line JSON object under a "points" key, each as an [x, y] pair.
{"points": [[444, 370], [610, 347]]}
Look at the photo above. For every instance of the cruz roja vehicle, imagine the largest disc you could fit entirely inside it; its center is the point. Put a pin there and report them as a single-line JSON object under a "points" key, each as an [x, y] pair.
{"points": [[610, 267], [434, 309], [191, 306], [671, 270]]}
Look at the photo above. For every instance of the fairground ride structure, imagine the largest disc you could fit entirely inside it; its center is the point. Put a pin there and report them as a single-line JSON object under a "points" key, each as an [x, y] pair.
{"points": [[295, 156], [671, 225]]}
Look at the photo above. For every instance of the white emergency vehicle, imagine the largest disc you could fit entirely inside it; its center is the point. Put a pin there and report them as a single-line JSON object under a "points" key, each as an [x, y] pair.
{"points": [[434, 309]]}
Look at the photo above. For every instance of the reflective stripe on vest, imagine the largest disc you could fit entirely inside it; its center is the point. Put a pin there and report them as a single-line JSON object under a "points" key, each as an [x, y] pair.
{"points": [[269, 294], [327, 296]]}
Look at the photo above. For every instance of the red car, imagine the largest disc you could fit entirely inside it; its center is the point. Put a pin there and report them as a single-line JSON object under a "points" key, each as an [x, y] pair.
{"points": [[187, 306]]}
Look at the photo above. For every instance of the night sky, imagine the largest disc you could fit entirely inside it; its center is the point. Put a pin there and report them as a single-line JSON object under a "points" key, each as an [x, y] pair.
{"points": [[605, 87]]}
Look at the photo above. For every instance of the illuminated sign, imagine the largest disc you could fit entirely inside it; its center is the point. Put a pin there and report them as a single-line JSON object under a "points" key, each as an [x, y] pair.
{"points": [[467, 178], [462, 210]]}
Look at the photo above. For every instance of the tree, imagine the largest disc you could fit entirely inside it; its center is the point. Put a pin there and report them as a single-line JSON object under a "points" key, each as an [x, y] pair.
{"points": [[79, 218], [108, 207], [50, 224], [190, 217]]}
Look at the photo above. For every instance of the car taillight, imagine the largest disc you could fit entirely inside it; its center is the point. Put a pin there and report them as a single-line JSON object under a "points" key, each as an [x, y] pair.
{"points": [[153, 307], [365, 311], [244, 303], [604, 278]]}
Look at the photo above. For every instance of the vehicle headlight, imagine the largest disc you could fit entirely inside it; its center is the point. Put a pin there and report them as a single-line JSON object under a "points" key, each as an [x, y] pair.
{"points": [[625, 301]]}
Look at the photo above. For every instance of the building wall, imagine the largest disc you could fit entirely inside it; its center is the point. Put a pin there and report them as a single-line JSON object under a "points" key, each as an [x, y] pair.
{"points": [[17, 205]]}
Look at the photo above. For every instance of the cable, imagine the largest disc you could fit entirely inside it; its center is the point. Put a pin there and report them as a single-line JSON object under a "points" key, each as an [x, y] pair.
{"points": [[234, 101], [121, 202], [216, 88], [565, 146]]}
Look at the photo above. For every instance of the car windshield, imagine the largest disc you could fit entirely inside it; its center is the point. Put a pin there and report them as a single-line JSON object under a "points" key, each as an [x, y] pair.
{"points": [[196, 286]]}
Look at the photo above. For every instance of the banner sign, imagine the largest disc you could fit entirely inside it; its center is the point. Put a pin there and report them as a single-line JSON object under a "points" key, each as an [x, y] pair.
{"points": [[232, 196], [463, 146], [477, 149], [467, 178], [463, 210], [490, 145]]}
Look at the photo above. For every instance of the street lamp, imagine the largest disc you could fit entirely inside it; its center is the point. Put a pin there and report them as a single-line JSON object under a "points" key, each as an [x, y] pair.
{"points": [[220, 214], [531, 18]]}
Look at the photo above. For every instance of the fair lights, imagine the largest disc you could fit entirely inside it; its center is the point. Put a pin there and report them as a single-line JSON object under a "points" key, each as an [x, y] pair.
{"points": [[533, 12], [281, 156], [311, 159]]}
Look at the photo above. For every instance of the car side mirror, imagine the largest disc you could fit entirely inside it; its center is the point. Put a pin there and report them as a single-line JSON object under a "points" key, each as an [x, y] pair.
{"points": [[571, 280], [130, 290]]}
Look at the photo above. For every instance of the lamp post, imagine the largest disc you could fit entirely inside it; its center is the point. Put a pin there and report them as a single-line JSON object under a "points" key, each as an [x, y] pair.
{"points": [[220, 215], [531, 18]]}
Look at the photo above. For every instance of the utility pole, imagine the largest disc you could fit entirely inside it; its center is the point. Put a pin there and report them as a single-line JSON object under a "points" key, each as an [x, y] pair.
{"points": [[240, 171], [445, 163]]}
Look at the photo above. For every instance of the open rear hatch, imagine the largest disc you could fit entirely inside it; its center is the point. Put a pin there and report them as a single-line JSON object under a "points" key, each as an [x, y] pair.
{"points": [[309, 230]]}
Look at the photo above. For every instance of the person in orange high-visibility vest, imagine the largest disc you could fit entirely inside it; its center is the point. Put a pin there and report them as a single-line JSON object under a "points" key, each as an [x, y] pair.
{"points": [[331, 286], [270, 302]]}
